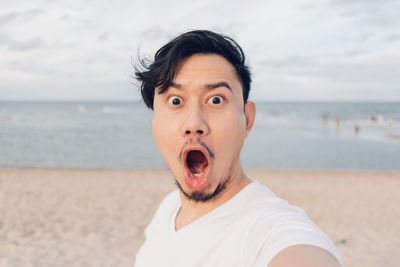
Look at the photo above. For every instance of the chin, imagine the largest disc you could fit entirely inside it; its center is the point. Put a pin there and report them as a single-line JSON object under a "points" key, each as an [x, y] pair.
{"points": [[206, 194]]}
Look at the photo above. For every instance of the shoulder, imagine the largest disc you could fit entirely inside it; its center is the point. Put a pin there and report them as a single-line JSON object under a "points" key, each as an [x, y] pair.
{"points": [[275, 225], [262, 206]]}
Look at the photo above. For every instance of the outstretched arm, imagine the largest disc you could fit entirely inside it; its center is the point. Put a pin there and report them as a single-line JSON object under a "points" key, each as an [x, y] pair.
{"points": [[304, 256]]}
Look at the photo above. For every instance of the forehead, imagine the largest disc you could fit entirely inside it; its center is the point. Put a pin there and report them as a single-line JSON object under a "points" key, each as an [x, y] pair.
{"points": [[201, 68]]}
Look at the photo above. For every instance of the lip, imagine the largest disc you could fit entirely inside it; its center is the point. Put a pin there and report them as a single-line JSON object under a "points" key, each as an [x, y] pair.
{"points": [[196, 183], [198, 148]]}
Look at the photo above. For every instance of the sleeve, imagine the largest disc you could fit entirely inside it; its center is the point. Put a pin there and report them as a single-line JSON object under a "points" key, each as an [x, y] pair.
{"points": [[286, 227]]}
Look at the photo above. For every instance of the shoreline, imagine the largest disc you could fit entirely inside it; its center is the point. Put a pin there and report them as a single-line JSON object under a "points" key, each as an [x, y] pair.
{"points": [[97, 217]]}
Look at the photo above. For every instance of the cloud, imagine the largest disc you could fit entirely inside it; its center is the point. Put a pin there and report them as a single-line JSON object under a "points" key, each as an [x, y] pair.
{"points": [[64, 17], [370, 12], [300, 48], [25, 16], [30, 44], [393, 38], [155, 32], [103, 36], [285, 62], [14, 45]]}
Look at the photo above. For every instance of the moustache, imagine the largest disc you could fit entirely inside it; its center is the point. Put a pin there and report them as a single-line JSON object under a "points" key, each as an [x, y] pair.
{"points": [[201, 143]]}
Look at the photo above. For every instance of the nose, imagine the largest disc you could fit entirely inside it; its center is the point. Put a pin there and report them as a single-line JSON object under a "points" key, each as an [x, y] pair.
{"points": [[195, 123]]}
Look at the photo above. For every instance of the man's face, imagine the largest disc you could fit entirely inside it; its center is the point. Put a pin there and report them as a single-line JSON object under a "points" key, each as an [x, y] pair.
{"points": [[199, 125]]}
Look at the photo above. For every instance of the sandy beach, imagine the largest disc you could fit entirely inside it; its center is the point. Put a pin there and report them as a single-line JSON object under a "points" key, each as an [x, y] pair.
{"points": [[93, 217]]}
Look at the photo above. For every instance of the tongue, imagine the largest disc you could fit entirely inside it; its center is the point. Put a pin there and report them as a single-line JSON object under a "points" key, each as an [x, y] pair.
{"points": [[197, 168], [196, 162]]}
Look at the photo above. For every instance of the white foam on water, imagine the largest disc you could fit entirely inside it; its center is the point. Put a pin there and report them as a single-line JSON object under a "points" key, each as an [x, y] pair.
{"points": [[81, 109], [15, 118]]}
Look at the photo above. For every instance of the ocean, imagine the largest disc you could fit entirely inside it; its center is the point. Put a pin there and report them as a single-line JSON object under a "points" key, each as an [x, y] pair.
{"points": [[330, 136]]}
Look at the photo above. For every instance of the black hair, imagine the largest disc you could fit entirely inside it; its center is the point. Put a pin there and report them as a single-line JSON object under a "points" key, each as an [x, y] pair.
{"points": [[161, 72]]}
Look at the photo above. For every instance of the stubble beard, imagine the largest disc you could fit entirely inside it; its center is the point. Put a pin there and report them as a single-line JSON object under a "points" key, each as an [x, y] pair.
{"points": [[203, 197]]}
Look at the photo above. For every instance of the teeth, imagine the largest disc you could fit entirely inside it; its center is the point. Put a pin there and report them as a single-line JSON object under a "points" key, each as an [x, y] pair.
{"points": [[198, 174]]}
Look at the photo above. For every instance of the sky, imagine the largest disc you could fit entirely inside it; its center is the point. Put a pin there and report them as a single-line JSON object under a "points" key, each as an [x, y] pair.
{"points": [[303, 50]]}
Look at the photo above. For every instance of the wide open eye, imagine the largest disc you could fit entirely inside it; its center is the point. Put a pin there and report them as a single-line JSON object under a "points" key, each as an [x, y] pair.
{"points": [[215, 100], [175, 100]]}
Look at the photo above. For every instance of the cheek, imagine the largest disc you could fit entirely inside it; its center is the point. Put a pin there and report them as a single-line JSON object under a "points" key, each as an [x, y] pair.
{"points": [[166, 136], [231, 131], [162, 134]]}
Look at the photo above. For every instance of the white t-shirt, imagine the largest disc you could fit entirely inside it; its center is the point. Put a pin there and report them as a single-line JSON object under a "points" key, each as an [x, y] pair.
{"points": [[247, 230]]}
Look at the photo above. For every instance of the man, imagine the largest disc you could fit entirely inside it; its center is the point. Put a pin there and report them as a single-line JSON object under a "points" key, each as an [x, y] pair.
{"points": [[198, 86]]}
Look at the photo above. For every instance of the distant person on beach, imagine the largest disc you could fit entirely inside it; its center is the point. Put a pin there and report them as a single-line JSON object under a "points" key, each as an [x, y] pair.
{"points": [[337, 123], [325, 118], [356, 129], [390, 126], [198, 87]]}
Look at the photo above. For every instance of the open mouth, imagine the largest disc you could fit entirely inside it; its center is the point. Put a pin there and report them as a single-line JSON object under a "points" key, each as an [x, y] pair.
{"points": [[196, 162]]}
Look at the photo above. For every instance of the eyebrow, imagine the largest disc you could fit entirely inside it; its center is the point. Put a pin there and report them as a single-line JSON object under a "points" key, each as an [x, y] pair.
{"points": [[207, 86]]}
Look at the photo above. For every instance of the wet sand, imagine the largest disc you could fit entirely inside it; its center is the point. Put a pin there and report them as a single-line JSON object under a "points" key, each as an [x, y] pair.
{"points": [[94, 217]]}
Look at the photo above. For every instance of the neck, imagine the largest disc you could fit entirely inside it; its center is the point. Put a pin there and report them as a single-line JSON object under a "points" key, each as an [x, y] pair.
{"points": [[191, 211]]}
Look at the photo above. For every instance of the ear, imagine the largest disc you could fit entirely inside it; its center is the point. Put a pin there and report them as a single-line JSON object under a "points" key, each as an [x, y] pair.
{"points": [[250, 113]]}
